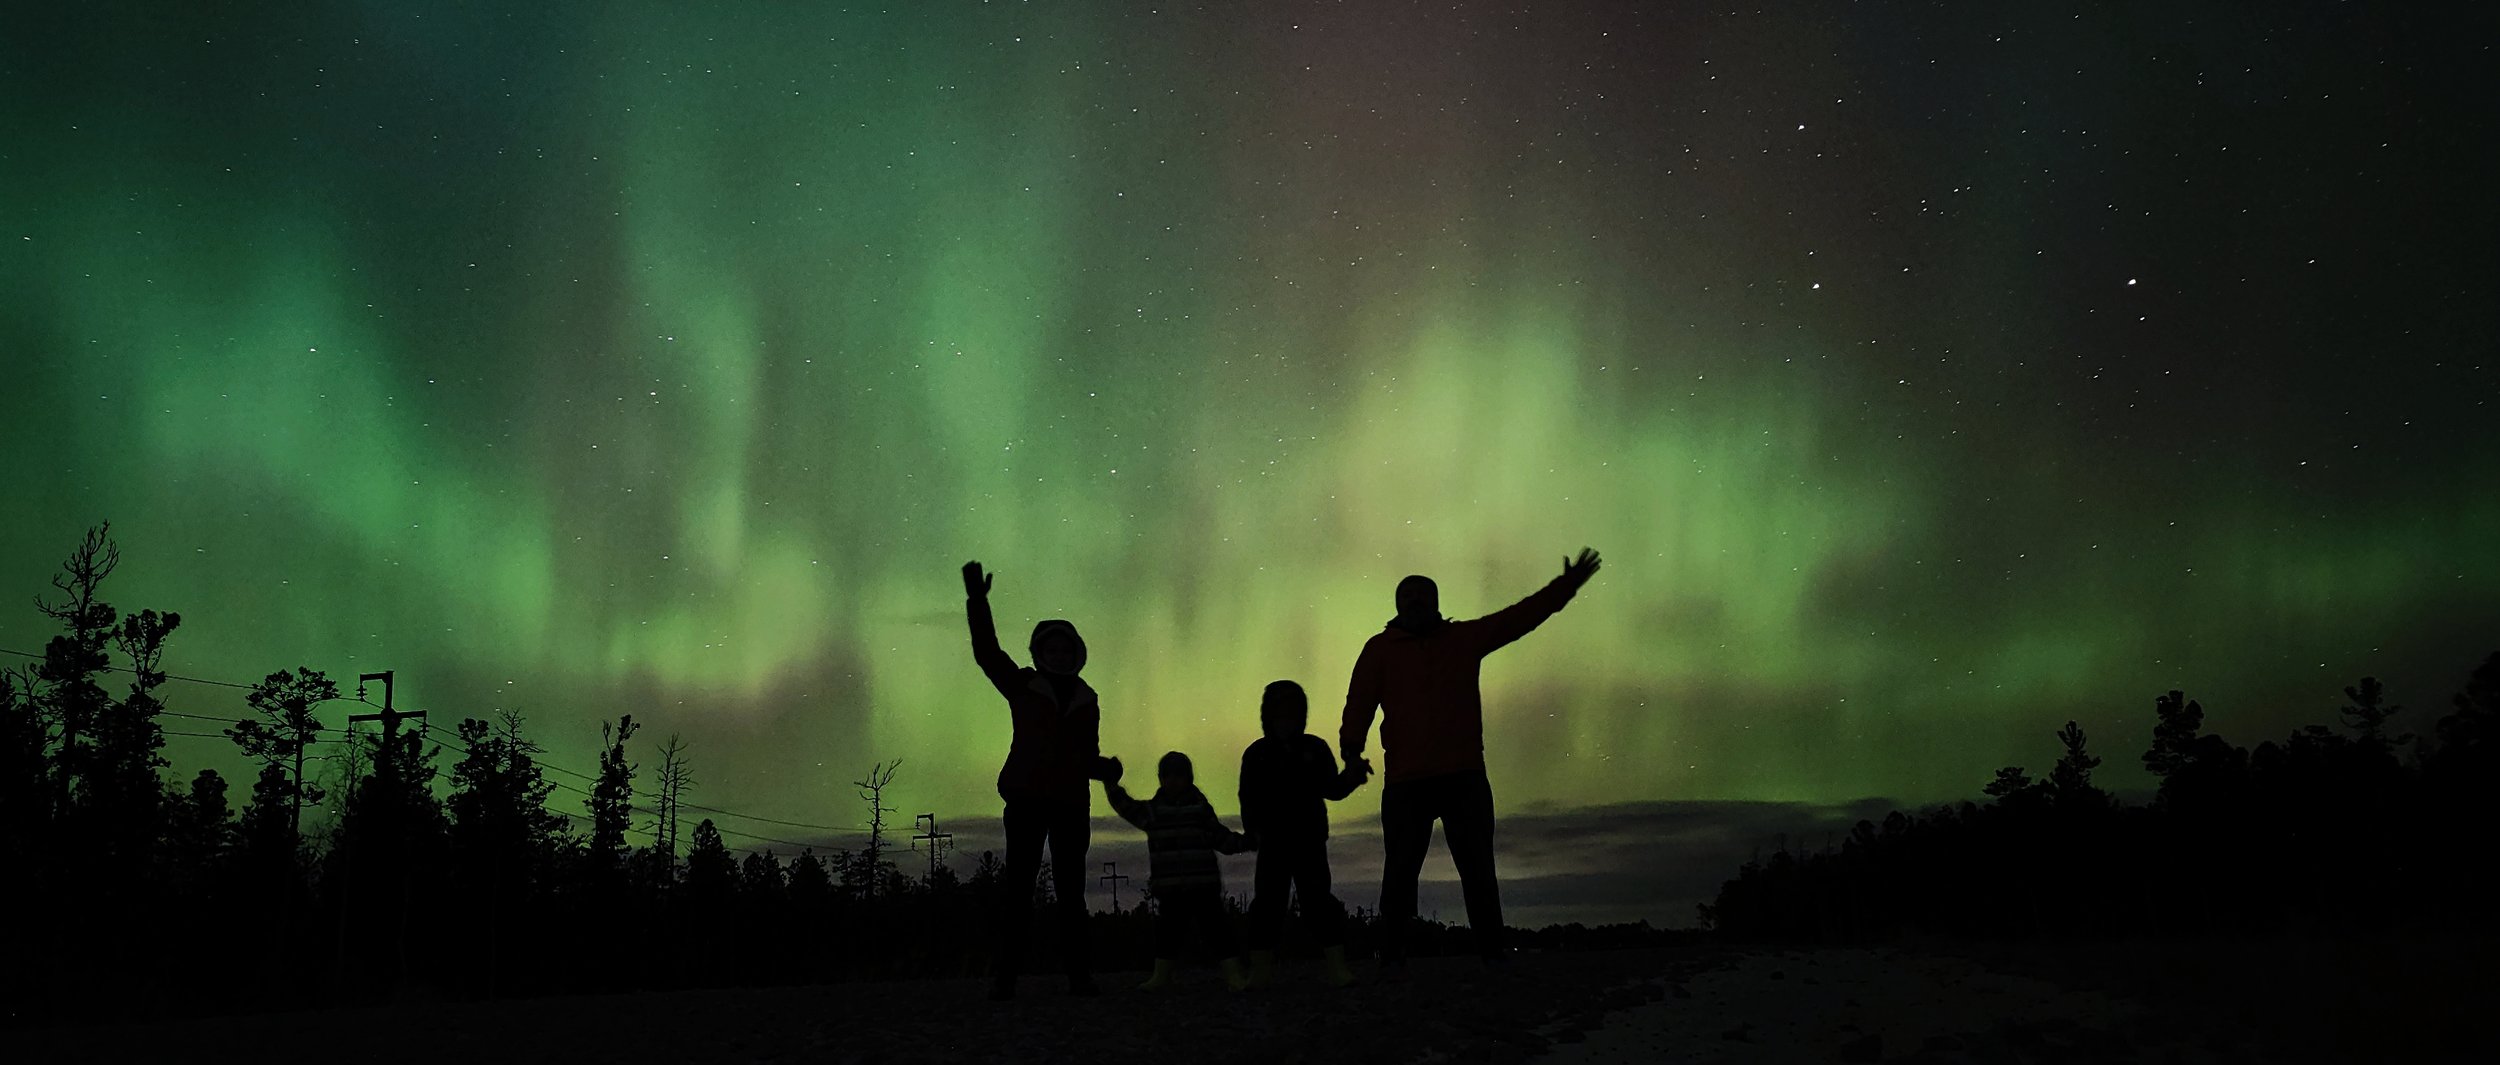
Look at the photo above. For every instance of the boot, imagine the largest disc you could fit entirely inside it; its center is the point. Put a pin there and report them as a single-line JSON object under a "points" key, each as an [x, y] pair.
{"points": [[1262, 968], [1162, 976], [1235, 976], [1333, 967]]}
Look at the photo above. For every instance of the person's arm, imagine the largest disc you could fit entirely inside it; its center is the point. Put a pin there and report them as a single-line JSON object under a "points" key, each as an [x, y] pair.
{"points": [[1362, 697], [1245, 794], [1129, 809], [1496, 630], [994, 662], [1340, 783], [1226, 840], [1095, 763]]}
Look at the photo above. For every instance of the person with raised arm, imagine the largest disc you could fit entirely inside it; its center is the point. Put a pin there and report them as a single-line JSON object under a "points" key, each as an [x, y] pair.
{"points": [[1420, 674], [1052, 759]]}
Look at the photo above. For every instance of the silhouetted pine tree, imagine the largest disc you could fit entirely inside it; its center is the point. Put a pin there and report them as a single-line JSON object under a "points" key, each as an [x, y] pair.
{"points": [[284, 734], [390, 850], [25, 775], [504, 840], [73, 698], [611, 801], [2070, 783], [2367, 716], [810, 886], [199, 833], [711, 874], [120, 791]]}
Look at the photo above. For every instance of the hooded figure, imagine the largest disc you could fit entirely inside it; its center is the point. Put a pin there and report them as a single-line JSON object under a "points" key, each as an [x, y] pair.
{"points": [[1288, 777], [1058, 723], [1055, 749]]}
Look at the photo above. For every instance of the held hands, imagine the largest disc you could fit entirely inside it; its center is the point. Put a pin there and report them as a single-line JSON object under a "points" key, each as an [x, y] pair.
{"points": [[1108, 771], [1579, 570], [1358, 769], [976, 583]]}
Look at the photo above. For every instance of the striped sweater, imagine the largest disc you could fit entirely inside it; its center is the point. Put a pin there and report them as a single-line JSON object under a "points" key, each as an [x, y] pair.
{"points": [[1182, 835]]}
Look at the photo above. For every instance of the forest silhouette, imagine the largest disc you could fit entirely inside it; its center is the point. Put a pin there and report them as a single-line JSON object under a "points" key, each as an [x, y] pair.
{"points": [[455, 863]]}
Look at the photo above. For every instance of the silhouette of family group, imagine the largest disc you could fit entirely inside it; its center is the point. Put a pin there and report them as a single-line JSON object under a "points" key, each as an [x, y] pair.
{"points": [[1418, 675]]}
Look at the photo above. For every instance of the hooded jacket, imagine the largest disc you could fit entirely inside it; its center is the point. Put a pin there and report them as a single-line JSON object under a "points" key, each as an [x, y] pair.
{"points": [[1182, 835], [1058, 723], [1422, 678], [1285, 784]]}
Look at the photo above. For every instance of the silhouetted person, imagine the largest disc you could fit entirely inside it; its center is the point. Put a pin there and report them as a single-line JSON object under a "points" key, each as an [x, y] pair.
{"points": [[1420, 672], [1182, 838], [1287, 778], [1055, 751]]}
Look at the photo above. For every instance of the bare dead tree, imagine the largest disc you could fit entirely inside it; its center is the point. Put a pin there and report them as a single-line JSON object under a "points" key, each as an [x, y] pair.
{"points": [[872, 789], [675, 777]]}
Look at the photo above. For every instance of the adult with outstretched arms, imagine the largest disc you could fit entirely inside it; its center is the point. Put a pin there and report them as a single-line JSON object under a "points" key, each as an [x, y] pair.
{"points": [[1420, 674]]}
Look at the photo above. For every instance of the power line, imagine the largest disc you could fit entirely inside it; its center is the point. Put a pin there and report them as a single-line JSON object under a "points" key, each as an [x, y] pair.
{"points": [[126, 669]]}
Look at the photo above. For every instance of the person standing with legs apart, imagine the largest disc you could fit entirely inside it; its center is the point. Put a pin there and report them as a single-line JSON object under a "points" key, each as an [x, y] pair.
{"points": [[1052, 759], [1420, 673]]}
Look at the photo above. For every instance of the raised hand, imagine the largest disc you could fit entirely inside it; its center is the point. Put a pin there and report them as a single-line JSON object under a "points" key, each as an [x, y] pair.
{"points": [[1580, 569], [976, 583]]}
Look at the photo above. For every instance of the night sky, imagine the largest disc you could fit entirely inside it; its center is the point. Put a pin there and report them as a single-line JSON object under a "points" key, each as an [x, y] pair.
{"points": [[1928, 374]]}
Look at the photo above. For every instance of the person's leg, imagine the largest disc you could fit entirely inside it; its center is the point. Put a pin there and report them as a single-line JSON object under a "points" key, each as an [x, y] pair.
{"points": [[1321, 912], [1173, 916], [1215, 925], [1012, 909], [1071, 832], [1467, 822], [1215, 929], [1406, 812], [1270, 879], [1172, 921]]}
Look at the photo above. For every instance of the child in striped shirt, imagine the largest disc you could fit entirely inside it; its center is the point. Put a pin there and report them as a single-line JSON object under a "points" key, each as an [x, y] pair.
{"points": [[1182, 840]]}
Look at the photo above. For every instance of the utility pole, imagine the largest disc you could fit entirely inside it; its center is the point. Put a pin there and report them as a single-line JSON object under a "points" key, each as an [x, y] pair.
{"points": [[1111, 875], [394, 822], [937, 841]]}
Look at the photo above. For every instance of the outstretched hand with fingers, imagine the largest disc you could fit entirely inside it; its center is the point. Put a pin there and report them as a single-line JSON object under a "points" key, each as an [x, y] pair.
{"points": [[1579, 570], [976, 583]]}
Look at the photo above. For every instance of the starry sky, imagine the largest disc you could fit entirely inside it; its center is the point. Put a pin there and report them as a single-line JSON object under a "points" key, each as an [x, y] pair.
{"points": [[1928, 374]]}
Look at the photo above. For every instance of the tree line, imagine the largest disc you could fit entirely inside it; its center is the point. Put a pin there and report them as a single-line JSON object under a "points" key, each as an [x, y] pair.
{"points": [[444, 863], [2353, 829], [435, 862]]}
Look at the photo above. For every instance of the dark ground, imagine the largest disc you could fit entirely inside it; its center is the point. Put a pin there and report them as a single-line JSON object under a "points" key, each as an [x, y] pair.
{"points": [[2029, 1003]]}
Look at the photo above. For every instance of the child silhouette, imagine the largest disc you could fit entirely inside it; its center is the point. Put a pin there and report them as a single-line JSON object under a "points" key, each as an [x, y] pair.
{"points": [[1182, 838], [1287, 776]]}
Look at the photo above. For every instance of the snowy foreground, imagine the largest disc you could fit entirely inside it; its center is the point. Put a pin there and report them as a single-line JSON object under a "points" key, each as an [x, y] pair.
{"points": [[1680, 1005]]}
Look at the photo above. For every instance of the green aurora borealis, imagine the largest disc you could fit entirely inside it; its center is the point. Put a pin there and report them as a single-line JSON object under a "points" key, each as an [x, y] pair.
{"points": [[1926, 379]]}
